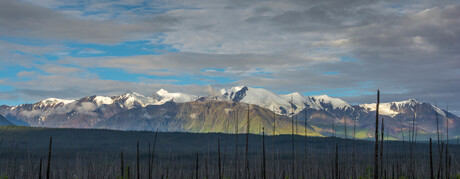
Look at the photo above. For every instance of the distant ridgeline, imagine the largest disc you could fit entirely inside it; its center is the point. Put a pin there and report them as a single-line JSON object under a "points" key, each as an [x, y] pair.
{"points": [[228, 111]]}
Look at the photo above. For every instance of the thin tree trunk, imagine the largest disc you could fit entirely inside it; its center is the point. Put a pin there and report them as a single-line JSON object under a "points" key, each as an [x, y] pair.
{"points": [[137, 165], [440, 161], [381, 149], [150, 164], [205, 166], [336, 161], [376, 160], [196, 169], [153, 152], [437, 132], [225, 147], [306, 140], [129, 173], [353, 150], [274, 145], [49, 159], [122, 165], [431, 161], [264, 173], [218, 160], [447, 144], [40, 169], [292, 134], [248, 175]]}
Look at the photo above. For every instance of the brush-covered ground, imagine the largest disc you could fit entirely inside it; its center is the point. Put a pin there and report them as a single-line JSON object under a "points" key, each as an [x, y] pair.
{"points": [[95, 153]]}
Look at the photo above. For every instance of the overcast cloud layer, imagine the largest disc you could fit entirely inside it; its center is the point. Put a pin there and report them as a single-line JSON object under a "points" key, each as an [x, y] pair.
{"points": [[348, 48]]}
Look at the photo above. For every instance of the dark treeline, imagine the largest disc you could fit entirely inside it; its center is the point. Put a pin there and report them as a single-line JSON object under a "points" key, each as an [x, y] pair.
{"points": [[87, 153]]}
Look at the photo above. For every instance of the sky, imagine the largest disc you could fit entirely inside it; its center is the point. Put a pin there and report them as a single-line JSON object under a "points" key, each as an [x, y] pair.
{"points": [[348, 48]]}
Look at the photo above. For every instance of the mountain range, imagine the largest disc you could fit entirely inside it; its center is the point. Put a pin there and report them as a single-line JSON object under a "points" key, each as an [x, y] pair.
{"points": [[228, 111]]}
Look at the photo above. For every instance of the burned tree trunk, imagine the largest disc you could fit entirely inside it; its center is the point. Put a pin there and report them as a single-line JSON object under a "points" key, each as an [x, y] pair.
{"points": [[376, 151]]}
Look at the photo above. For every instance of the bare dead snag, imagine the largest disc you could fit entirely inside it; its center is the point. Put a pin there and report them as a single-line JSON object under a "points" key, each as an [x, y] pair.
{"points": [[376, 154], [49, 159], [122, 165], [264, 173], [431, 161]]}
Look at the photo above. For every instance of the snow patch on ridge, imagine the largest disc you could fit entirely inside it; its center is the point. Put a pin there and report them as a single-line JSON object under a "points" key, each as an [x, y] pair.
{"points": [[176, 97], [56, 100], [384, 108], [336, 103], [100, 100]]}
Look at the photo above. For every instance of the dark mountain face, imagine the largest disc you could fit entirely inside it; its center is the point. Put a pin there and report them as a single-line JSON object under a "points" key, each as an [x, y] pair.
{"points": [[238, 96], [4, 121]]}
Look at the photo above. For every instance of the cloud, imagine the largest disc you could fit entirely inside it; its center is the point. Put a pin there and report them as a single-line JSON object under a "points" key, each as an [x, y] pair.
{"points": [[189, 63], [20, 19], [23, 74], [75, 86], [407, 49], [90, 51], [57, 69], [86, 108]]}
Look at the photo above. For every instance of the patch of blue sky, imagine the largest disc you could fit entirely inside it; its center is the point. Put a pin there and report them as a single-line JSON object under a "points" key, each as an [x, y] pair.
{"points": [[130, 48], [203, 80], [75, 49], [12, 102], [260, 71], [148, 6], [331, 73], [6, 88], [212, 70], [348, 59], [11, 73]]}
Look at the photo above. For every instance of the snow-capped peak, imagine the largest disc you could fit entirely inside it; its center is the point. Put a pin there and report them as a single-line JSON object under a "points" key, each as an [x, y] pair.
{"points": [[263, 98], [409, 102], [56, 101], [176, 97], [100, 100], [132, 94], [223, 91], [237, 88], [133, 99], [320, 100], [384, 108], [162, 91], [300, 101], [394, 108]]}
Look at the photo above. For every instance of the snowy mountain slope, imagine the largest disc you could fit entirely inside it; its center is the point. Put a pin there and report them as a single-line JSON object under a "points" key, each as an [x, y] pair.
{"points": [[329, 102], [176, 97], [301, 101], [395, 108], [262, 98], [287, 104]]}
